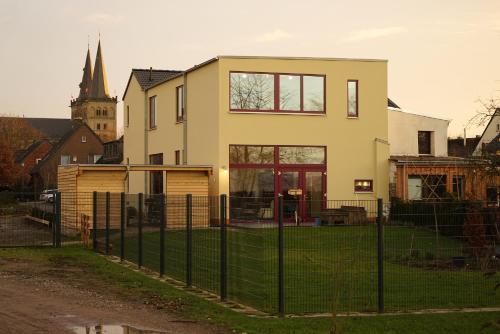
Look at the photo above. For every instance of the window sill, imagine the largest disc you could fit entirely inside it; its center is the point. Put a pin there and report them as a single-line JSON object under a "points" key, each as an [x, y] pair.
{"points": [[179, 122], [364, 192], [352, 117], [278, 113], [152, 129]]}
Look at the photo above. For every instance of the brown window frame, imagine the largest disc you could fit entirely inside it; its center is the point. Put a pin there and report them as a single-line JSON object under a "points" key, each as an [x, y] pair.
{"points": [[179, 118], [356, 190], [276, 96], [357, 98], [153, 119], [156, 177], [177, 157]]}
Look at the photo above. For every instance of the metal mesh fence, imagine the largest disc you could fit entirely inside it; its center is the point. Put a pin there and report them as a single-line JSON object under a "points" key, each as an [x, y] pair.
{"points": [[26, 220], [441, 255], [335, 256]]}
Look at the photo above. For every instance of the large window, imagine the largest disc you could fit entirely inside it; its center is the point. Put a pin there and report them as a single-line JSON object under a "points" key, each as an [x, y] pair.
{"points": [[260, 155], [65, 159], [268, 92], [352, 98], [458, 184], [152, 112], [303, 155], [424, 142], [426, 187], [179, 106]]}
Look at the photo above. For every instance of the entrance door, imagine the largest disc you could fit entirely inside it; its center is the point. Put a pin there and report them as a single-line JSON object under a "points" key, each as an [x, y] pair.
{"points": [[303, 193]]}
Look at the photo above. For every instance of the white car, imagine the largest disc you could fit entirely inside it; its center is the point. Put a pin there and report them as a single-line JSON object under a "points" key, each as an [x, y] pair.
{"points": [[48, 195]]}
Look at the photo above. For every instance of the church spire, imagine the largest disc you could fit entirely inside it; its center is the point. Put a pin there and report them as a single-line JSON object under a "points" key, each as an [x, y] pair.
{"points": [[86, 84], [99, 81]]}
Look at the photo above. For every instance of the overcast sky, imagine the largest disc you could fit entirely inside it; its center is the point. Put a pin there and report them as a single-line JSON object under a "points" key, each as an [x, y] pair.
{"points": [[443, 55]]}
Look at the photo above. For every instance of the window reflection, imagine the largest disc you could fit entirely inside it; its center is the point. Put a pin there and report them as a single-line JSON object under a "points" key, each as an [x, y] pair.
{"points": [[290, 92], [252, 91], [352, 95], [251, 193], [251, 154], [301, 155], [314, 93]]}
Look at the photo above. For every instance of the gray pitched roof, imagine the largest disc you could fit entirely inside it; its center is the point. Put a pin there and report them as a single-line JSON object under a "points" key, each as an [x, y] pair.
{"points": [[493, 146], [22, 154], [148, 77], [52, 128]]}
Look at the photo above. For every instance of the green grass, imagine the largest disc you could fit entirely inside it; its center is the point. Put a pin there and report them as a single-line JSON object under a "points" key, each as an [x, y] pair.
{"points": [[136, 284], [325, 268]]}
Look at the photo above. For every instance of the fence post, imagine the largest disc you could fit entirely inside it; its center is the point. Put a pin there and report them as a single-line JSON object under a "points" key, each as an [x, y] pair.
{"points": [[107, 221], [58, 219], [281, 260], [189, 240], [162, 234], [122, 226], [380, 255], [54, 220], [139, 231], [223, 248], [94, 220]]}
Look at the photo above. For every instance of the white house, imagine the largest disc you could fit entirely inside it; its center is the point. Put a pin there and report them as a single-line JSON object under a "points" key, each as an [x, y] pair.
{"points": [[490, 132]]}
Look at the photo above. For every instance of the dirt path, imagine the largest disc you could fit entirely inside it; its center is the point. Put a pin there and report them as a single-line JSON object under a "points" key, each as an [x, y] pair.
{"points": [[55, 298]]}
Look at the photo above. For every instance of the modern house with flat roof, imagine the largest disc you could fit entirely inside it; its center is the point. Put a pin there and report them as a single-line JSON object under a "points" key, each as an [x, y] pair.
{"points": [[309, 129]]}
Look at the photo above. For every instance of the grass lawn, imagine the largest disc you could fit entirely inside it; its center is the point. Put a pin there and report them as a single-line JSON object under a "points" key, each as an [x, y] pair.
{"points": [[325, 268], [130, 282]]}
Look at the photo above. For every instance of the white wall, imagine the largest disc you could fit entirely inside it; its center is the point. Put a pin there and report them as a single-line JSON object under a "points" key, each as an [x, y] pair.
{"points": [[490, 132], [403, 133]]}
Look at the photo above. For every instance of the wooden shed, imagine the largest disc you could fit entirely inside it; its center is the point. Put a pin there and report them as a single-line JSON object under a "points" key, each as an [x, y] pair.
{"points": [[76, 183]]}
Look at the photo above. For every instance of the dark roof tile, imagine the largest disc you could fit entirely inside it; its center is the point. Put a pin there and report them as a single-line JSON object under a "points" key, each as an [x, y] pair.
{"points": [[147, 77]]}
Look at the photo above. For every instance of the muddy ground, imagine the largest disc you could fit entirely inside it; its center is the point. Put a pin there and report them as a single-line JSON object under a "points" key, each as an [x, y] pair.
{"points": [[55, 297]]}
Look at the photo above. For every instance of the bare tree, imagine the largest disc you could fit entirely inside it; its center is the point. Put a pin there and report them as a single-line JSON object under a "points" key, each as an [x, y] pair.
{"points": [[486, 111]]}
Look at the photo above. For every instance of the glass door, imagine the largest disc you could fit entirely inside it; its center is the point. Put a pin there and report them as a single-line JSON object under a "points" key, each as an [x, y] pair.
{"points": [[292, 193]]}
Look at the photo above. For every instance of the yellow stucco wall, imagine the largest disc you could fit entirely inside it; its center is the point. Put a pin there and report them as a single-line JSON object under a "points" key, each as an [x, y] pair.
{"points": [[351, 148], [133, 134]]}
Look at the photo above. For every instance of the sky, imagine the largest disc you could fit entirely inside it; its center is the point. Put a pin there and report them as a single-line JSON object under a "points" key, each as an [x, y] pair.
{"points": [[443, 55]]}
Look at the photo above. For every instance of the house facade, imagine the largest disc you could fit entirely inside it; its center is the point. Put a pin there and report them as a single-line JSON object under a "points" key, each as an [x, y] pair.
{"points": [[489, 135], [78, 145], [421, 168], [310, 129], [28, 158]]}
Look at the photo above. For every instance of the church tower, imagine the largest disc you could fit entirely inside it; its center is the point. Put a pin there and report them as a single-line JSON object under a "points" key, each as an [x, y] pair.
{"points": [[93, 105]]}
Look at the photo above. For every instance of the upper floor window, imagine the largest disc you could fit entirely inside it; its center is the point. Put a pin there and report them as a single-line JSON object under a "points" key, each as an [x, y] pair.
{"points": [[98, 127], [98, 112], [424, 142], [268, 92], [104, 126], [105, 112], [84, 139], [352, 98], [127, 116], [152, 112], [179, 104]]}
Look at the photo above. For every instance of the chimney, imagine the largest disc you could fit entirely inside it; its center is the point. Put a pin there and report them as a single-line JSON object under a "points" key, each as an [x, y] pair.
{"points": [[150, 73]]}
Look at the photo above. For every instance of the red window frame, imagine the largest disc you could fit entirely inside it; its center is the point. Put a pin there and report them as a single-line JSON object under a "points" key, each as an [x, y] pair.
{"points": [[357, 98], [276, 108]]}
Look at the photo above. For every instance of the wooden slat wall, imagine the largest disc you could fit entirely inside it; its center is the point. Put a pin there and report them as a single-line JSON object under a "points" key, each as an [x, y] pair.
{"points": [[179, 184], [100, 181], [66, 184]]}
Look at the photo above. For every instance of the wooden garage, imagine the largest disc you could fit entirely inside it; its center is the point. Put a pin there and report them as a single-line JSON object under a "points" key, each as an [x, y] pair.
{"points": [[76, 183]]}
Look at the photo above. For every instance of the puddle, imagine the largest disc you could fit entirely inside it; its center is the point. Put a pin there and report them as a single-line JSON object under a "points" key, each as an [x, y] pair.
{"points": [[114, 329]]}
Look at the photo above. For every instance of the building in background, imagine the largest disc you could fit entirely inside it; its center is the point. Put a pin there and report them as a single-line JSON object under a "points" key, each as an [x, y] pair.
{"points": [[489, 135], [80, 145], [112, 152], [309, 129], [421, 168], [94, 106]]}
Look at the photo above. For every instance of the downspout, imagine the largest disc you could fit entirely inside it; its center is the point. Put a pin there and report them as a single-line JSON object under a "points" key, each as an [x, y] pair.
{"points": [[185, 121]]}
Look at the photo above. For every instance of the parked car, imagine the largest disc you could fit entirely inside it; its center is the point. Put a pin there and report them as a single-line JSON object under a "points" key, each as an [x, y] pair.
{"points": [[48, 195]]}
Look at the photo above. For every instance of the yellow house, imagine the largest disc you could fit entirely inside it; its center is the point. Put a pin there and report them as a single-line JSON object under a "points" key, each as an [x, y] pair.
{"points": [[310, 129]]}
